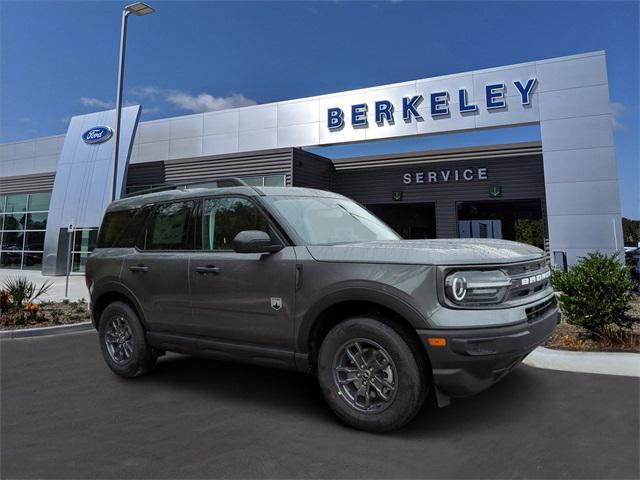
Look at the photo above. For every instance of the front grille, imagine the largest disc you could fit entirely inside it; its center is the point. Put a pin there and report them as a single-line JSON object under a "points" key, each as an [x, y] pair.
{"points": [[528, 279], [540, 309]]}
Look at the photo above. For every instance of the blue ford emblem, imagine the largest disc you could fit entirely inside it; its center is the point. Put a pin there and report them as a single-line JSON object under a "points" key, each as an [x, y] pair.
{"points": [[97, 135]]}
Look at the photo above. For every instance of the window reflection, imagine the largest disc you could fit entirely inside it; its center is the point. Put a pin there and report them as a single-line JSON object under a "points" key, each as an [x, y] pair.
{"points": [[23, 221]]}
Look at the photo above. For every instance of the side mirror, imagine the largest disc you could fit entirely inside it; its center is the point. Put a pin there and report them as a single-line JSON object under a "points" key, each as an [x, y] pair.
{"points": [[254, 241]]}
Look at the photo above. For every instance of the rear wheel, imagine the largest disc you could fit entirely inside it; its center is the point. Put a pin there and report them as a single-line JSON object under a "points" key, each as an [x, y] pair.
{"points": [[123, 341], [371, 377]]}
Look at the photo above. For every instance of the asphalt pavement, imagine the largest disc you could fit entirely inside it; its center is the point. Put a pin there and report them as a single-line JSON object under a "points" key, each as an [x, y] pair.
{"points": [[65, 415]]}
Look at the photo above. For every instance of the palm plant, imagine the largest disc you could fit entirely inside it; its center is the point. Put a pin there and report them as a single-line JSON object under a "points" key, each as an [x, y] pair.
{"points": [[22, 291]]}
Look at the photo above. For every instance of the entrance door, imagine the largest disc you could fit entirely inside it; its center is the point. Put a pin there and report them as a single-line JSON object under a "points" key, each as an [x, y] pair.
{"points": [[480, 228], [241, 297], [519, 220]]}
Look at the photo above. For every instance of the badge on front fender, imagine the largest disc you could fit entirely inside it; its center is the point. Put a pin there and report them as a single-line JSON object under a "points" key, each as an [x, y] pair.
{"points": [[276, 303]]}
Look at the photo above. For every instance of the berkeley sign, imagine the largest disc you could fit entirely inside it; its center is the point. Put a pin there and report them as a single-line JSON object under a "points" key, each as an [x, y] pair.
{"points": [[384, 110]]}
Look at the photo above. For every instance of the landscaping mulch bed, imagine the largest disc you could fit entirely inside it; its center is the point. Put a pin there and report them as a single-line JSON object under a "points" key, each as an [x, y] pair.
{"points": [[574, 338], [49, 314]]}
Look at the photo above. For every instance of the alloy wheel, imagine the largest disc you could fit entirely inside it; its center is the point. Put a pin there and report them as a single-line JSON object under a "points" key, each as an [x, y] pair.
{"points": [[365, 375], [119, 340]]}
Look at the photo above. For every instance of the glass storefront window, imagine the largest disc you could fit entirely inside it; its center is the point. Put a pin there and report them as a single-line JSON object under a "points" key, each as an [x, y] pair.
{"points": [[14, 221], [37, 221], [34, 241], [32, 261], [12, 240], [274, 181], [84, 241], [39, 202], [23, 221], [16, 203], [10, 259], [253, 181], [79, 260]]}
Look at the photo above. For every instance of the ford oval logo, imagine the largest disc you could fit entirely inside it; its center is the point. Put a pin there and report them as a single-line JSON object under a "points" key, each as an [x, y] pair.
{"points": [[97, 135]]}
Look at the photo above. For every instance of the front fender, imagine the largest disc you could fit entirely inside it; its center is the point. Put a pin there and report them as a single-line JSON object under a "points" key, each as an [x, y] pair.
{"points": [[381, 295]]}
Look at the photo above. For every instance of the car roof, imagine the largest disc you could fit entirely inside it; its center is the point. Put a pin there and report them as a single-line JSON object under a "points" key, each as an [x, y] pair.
{"points": [[138, 201]]}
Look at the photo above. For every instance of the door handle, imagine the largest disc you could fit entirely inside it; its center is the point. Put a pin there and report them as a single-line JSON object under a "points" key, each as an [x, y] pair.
{"points": [[207, 269], [139, 268]]}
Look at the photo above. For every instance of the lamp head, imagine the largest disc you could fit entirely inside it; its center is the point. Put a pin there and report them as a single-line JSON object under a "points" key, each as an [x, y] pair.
{"points": [[139, 9]]}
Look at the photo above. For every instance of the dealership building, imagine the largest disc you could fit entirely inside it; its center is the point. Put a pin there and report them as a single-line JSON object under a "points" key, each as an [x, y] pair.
{"points": [[559, 193]]}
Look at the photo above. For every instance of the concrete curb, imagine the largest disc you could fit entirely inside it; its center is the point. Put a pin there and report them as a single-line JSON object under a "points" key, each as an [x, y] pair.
{"points": [[607, 363], [42, 331]]}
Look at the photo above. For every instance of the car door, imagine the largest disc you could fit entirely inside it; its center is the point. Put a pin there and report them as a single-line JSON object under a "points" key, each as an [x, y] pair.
{"points": [[157, 270], [240, 297]]}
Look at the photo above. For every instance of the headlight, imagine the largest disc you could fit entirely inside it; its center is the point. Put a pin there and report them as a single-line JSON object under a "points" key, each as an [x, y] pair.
{"points": [[476, 287]]}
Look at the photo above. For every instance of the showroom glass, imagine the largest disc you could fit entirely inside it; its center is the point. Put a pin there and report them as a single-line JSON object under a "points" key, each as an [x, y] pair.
{"points": [[23, 221], [84, 241], [170, 227], [224, 218], [326, 221]]}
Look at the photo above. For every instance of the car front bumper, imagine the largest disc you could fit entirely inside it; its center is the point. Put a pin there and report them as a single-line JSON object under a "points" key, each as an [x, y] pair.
{"points": [[474, 359]]}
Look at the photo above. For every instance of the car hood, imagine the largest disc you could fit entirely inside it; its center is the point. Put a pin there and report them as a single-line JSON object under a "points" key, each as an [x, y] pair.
{"points": [[471, 251]]}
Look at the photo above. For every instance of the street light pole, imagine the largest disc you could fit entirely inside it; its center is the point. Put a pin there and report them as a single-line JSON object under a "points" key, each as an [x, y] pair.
{"points": [[123, 41], [137, 9]]}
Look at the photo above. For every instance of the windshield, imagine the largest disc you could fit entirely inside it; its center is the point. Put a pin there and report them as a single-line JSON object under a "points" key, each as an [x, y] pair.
{"points": [[325, 221]]}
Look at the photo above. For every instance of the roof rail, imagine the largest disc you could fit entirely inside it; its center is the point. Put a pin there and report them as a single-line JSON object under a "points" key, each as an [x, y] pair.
{"points": [[218, 183], [210, 183]]}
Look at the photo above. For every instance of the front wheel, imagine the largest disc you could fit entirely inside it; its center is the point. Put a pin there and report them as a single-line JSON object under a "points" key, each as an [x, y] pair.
{"points": [[123, 341], [371, 377]]}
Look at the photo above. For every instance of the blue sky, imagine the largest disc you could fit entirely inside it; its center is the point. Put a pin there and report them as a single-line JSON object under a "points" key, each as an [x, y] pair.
{"points": [[59, 59]]}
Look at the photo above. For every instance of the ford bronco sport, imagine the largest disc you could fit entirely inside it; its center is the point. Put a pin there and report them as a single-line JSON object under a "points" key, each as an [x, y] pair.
{"points": [[310, 280]]}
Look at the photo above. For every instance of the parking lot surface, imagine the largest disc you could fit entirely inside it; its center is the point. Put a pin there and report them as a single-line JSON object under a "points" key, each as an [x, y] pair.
{"points": [[65, 415]]}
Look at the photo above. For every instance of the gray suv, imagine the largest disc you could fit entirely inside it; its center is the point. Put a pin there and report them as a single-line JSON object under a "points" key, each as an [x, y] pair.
{"points": [[310, 280]]}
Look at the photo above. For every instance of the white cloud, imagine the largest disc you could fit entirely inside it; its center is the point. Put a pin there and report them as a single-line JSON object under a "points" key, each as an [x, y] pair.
{"points": [[95, 103], [617, 110], [150, 96], [146, 91], [205, 102]]}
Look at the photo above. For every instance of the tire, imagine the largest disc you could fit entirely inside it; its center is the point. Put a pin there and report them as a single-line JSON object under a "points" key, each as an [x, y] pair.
{"points": [[380, 345], [131, 356]]}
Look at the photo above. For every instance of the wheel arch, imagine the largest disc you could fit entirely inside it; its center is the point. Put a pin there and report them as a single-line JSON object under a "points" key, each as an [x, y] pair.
{"points": [[115, 292], [340, 306]]}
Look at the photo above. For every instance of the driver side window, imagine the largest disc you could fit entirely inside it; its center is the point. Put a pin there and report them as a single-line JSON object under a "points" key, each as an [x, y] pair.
{"points": [[224, 218]]}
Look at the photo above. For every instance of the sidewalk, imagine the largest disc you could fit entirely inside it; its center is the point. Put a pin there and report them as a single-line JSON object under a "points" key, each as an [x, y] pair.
{"points": [[607, 363], [77, 288]]}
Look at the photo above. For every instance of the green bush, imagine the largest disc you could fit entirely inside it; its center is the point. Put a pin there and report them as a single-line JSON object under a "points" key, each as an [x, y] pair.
{"points": [[595, 292]]}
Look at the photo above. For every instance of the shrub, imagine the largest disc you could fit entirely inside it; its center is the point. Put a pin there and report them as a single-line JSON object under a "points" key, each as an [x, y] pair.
{"points": [[595, 293], [20, 291]]}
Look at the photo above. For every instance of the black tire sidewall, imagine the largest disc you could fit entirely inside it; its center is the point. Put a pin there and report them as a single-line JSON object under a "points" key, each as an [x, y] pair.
{"points": [[411, 382], [142, 358]]}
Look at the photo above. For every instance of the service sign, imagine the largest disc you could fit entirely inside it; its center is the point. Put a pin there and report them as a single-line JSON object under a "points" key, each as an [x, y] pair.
{"points": [[440, 104], [97, 135]]}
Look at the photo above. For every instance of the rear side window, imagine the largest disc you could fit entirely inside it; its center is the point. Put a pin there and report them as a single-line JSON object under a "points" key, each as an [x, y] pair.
{"points": [[224, 218], [122, 229], [170, 227], [113, 225]]}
